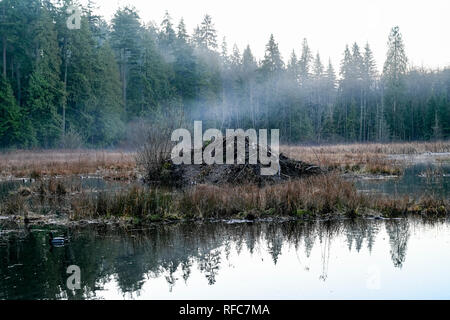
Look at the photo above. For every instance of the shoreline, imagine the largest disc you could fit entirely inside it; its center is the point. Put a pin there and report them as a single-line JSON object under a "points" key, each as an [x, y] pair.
{"points": [[116, 225]]}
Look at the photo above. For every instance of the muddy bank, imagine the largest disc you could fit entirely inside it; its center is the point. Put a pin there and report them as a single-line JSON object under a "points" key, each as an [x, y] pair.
{"points": [[13, 224]]}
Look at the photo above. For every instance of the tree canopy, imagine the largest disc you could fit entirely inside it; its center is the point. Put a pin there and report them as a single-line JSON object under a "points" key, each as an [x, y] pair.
{"points": [[91, 83]]}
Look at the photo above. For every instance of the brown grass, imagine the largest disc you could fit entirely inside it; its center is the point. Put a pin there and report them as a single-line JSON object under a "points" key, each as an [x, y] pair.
{"points": [[119, 165], [35, 164], [369, 158], [320, 196], [380, 148], [326, 195]]}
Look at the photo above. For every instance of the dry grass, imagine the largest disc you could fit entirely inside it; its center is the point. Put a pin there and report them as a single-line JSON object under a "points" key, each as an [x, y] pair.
{"points": [[13, 205], [327, 195], [35, 164], [320, 196], [119, 165], [381, 148], [369, 158], [324, 194], [138, 203]]}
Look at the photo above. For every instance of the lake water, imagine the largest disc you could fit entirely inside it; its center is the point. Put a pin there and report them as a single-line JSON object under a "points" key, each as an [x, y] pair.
{"points": [[94, 184], [376, 259], [417, 180]]}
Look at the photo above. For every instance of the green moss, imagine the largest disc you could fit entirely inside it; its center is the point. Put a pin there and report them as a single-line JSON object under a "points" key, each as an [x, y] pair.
{"points": [[155, 218], [270, 212], [301, 213]]}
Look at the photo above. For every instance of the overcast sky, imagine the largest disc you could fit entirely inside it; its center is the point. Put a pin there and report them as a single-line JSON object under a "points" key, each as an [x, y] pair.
{"points": [[327, 24]]}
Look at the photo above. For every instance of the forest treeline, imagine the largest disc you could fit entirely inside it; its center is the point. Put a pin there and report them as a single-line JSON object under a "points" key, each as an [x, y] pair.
{"points": [[62, 87]]}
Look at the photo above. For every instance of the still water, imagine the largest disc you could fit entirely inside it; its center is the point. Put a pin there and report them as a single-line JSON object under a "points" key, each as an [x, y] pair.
{"points": [[376, 259], [75, 183], [417, 180]]}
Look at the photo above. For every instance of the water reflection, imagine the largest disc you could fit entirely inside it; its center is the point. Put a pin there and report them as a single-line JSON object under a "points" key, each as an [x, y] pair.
{"points": [[217, 260], [417, 180], [398, 231]]}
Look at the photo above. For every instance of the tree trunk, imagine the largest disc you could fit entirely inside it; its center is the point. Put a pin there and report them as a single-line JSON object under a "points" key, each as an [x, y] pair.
{"points": [[19, 86], [360, 117], [4, 40], [124, 79], [4, 56], [65, 90]]}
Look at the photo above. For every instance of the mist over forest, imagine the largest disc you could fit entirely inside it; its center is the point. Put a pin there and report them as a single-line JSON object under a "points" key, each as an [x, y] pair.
{"points": [[98, 85]]}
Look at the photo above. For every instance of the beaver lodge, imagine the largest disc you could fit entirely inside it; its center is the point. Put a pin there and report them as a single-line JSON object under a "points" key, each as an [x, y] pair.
{"points": [[243, 171]]}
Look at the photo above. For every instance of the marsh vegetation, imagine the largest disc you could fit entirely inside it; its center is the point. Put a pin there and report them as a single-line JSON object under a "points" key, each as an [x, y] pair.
{"points": [[359, 181]]}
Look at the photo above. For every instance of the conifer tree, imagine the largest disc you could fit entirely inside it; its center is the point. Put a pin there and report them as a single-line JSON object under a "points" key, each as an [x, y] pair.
{"points": [[10, 134], [394, 70], [208, 34], [305, 61], [45, 89]]}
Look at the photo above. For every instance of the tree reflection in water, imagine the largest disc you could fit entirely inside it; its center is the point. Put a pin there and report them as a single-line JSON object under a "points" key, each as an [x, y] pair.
{"points": [[30, 270], [398, 231]]}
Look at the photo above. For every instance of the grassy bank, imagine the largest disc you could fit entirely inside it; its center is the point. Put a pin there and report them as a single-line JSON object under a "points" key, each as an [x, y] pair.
{"points": [[313, 197], [322, 196]]}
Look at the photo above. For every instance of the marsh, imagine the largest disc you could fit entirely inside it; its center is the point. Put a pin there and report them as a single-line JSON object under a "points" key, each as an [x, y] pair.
{"points": [[132, 251]]}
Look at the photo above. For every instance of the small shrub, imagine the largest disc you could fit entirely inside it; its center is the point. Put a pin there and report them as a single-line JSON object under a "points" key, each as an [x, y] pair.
{"points": [[35, 175], [71, 140], [154, 155]]}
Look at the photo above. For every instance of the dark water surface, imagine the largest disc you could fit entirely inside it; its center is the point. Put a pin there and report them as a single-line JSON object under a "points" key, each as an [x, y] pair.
{"points": [[379, 259]]}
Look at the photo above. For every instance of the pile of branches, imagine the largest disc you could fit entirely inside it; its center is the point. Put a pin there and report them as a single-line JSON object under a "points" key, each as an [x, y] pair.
{"points": [[164, 172]]}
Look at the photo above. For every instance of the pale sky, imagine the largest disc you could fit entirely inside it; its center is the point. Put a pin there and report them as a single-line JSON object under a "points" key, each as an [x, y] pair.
{"points": [[327, 24]]}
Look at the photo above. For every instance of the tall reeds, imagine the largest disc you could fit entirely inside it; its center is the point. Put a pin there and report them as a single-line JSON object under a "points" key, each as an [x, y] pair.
{"points": [[319, 196]]}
